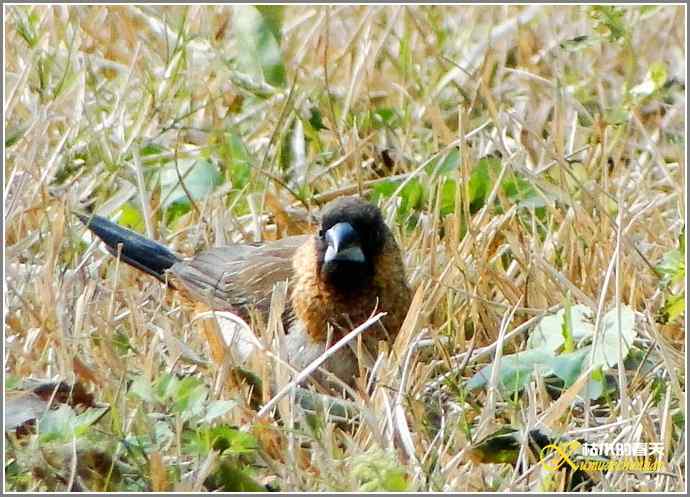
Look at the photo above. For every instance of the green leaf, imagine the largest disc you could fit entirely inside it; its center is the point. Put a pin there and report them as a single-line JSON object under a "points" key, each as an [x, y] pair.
{"points": [[258, 36], [142, 388], [163, 433], [316, 119], [56, 424], [237, 159], [221, 438], [273, 17], [200, 178], [609, 21], [216, 409], [515, 370], [164, 387], [658, 74], [617, 114], [653, 81], [14, 134], [87, 418], [568, 367], [595, 386], [448, 196], [501, 446], [387, 117], [378, 471], [672, 267], [189, 396], [62, 424], [578, 43], [615, 333], [12, 382], [229, 478], [151, 149], [26, 26], [384, 189], [412, 195], [445, 165], [482, 180], [548, 334], [131, 218], [674, 307]]}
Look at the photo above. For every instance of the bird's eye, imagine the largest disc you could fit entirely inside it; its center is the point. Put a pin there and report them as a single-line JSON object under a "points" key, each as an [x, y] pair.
{"points": [[322, 233]]}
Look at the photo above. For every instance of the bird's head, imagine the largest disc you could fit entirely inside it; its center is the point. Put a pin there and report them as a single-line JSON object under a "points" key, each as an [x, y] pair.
{"points": [[351, 236]]}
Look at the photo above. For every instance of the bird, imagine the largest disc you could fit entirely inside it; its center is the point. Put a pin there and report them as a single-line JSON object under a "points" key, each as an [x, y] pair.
{"points": [[337, 278]]}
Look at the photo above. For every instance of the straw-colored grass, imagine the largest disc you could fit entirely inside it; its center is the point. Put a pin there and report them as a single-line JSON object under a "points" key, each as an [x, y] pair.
{"points": [[584, 108]]}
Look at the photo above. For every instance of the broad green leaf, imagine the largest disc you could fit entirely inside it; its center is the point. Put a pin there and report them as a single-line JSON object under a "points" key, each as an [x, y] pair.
{"points": [[12, 382], [595, 386], [221, 438], [515, 370], [412, 196], [615, 333], [165, 386], [448, 191], [273, 17], [672, 267], [189, 396], [200, 178], [216, 409], [446, 164], [163, 433], [617, 114], [57, 424], [260, 53], [548, 334], [481, 181], [384, 190], [63, 424], [569, 366], [87, 418], [228, 477], [142, 388], [386, 117]]}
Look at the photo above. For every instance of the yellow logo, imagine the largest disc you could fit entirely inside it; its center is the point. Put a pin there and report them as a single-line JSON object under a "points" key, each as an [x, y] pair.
{"points": [[564, 453]]}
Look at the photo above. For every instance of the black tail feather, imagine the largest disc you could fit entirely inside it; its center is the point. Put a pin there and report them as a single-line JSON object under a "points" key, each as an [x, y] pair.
{"points": [[137, 251]]}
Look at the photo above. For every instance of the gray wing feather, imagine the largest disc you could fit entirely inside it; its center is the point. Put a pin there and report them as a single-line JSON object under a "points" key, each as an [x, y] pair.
{"points": [[238, 277]]}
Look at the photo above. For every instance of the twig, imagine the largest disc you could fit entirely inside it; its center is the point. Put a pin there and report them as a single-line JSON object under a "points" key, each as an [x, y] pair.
{"points": [[318, 362]]}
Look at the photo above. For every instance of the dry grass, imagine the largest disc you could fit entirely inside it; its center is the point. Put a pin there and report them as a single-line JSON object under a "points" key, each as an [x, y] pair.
{"points": [[100, 100]]}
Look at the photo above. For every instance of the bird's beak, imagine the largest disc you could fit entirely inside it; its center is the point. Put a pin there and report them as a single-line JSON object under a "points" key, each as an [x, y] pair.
{"points": [[343, 244]]}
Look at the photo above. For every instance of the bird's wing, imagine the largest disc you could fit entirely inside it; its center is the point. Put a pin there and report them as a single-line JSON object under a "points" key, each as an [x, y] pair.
{"points": [[238, 277]]}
